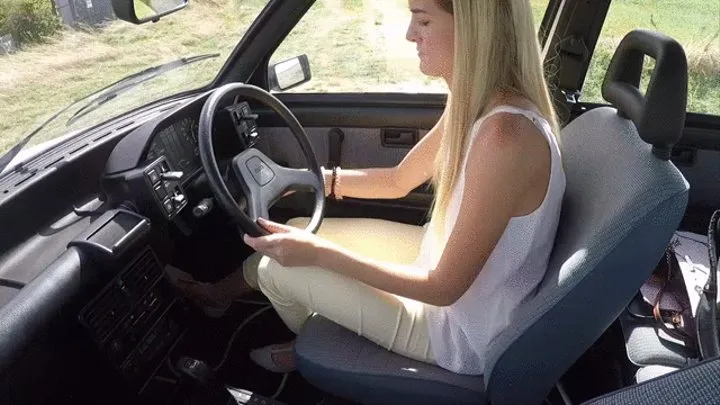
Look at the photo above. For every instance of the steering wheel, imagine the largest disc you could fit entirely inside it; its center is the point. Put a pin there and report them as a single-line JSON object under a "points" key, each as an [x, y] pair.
{"points": [[262, 181]]}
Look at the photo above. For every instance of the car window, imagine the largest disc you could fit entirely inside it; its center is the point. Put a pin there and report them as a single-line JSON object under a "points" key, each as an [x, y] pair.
{"points": [[60, 52], [695, 24], [360, 46]]}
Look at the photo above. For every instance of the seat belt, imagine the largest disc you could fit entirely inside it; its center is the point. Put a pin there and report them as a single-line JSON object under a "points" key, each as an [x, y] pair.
{"points": [[581, 21]]}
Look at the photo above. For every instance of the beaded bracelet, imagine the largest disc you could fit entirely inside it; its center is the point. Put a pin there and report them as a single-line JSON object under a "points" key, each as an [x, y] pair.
{"points": [[336, 183]]}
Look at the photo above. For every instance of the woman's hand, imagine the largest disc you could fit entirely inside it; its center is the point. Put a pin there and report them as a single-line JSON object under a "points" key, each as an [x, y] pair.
{"points": [[287, 245]]}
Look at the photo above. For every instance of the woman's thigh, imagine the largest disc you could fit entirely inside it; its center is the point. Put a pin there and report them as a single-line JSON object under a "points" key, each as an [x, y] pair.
{"points": [[396, 323], [374, 238], [378, 239]]}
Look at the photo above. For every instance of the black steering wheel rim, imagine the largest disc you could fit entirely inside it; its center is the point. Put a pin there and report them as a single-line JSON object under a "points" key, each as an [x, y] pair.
{"points": [[217, 183]]}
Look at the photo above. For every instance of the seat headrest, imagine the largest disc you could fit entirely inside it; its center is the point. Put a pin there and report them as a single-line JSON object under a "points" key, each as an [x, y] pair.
{"points": [[659, 115]]}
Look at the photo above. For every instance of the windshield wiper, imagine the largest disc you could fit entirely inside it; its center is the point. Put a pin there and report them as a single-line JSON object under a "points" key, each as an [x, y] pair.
{"points": [[128, 82], [104, 95]]}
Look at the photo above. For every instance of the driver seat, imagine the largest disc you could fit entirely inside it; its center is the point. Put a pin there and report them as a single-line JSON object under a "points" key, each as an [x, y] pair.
{"points": [[624, 199]]}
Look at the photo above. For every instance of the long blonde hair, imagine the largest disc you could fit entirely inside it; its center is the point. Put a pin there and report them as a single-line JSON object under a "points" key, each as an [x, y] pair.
{"points": [[496, 49]]}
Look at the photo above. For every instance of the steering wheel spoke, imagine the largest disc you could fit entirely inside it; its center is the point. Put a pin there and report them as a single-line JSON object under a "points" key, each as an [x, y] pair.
{"points": [[297, 180], [265, 182]]}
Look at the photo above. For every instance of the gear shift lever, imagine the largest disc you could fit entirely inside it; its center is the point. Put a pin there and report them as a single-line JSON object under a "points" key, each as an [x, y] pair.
{"points": [[200, 384], [196, 371]]}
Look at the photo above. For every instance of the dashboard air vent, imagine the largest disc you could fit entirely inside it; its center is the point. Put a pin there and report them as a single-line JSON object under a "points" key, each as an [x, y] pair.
{"points": [[115, 302]]}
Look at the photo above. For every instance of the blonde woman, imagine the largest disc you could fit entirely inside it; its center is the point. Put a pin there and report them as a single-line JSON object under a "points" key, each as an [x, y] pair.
{"points": [[439, 293]]}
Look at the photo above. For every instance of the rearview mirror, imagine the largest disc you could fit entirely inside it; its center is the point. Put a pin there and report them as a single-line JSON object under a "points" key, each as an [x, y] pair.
{"points": [[289, 73], [142, 11]]}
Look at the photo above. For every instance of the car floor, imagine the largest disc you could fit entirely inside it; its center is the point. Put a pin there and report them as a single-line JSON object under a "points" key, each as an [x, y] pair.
{"points": [[208, 339], [209, 256]]}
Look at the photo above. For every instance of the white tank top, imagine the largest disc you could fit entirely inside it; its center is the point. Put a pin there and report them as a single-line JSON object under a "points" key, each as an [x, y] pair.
{"points": [[460, 333]]}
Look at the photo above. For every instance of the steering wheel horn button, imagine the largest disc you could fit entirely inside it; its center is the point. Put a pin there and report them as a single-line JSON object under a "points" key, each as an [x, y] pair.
{"points": [[260, 171]]}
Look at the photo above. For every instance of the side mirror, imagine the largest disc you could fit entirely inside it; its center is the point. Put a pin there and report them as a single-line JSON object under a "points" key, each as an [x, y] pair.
{"points": [[289, 73], [142, 11]]}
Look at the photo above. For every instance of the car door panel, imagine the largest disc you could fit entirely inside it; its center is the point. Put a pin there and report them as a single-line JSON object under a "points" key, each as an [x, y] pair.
{"points": [[377, 131], [361, 147], [697, 156], [703, 174]]}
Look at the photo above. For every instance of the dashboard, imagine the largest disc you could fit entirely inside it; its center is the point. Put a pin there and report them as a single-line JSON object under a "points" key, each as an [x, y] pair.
{"points": [[157, 167], [116, 243]]}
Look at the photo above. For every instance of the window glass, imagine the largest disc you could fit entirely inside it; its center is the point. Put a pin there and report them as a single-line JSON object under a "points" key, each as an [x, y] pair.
{"points": [[62, 52], [695, 24], [360, 46]]}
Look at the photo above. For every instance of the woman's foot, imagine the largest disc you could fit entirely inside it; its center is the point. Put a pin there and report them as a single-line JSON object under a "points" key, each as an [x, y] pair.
{"points": [[278, 358], [213, 298]]}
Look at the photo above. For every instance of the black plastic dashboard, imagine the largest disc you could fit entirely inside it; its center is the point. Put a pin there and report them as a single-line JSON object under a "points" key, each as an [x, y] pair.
{"points": [[174, 136], [157, 167]]}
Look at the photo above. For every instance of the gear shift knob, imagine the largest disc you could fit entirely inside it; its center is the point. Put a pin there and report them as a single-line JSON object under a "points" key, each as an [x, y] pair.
{"points": [[195, 370]]}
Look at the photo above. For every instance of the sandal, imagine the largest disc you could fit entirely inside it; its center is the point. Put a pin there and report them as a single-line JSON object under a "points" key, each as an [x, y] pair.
{"points": [[277, 358]]}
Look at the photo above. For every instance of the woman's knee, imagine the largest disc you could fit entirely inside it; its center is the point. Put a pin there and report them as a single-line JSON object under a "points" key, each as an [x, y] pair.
{"points": [[266, 279], [250, 269]]}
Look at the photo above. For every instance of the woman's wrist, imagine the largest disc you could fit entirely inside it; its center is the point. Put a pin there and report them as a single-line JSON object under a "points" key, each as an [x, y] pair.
{"points": [[325, 254]]}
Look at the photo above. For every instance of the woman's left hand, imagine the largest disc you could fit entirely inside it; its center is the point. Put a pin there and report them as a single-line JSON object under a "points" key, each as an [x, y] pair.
{"points": [[287, 245]]}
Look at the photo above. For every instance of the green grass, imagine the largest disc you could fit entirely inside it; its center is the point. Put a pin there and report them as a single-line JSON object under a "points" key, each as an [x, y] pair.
{"points": [[353, 46], [695, 24]]}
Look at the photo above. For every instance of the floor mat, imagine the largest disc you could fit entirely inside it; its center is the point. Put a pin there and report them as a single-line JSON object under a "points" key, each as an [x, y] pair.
{"points": [[207, 340]]}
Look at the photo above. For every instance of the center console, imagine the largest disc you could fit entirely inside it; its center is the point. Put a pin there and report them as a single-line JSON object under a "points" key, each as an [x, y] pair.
{"points": [[137, 319], [134, 320]]}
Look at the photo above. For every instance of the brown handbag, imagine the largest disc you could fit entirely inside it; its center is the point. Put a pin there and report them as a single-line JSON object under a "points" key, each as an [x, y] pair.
{"points": [[671, 306], [663, 301]]}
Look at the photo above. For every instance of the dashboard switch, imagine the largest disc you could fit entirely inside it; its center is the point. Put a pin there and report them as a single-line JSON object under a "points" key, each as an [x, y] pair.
{"points": [[153, 176], [178, 199], [160, 192], [168, 205], [172, 175]]}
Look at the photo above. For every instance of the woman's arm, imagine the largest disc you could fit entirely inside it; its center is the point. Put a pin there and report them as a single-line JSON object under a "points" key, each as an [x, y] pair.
{"points": [[392, 182], [507, 173], [501, 161]]}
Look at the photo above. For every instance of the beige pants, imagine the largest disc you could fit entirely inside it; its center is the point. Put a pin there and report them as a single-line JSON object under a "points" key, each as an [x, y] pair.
{"points": [[393, 322]]}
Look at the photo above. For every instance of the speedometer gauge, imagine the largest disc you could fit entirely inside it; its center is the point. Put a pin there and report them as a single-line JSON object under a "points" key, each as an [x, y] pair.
{"points": [[178, 144], [195, 130], [185, 129]]}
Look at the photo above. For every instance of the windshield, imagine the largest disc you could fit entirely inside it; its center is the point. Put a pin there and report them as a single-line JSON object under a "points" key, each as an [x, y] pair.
{"points": [[60, 53]]}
